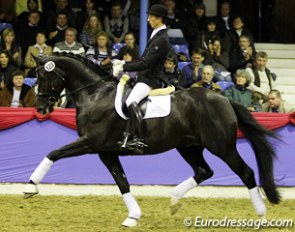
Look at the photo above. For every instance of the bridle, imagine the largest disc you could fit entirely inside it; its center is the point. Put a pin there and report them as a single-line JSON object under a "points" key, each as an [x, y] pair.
{"points": [[51, 97]]}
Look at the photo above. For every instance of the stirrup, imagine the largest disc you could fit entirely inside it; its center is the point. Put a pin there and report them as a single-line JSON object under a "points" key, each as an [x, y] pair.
{"points": [[123, 143]]}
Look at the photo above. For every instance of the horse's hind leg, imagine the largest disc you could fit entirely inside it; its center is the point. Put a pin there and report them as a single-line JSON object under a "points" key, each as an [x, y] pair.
{"points": [[114, 166], [246, 174], [79, 147], [194, 157]]}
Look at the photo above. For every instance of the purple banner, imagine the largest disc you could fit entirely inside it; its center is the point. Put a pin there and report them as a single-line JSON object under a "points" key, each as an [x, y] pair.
{"points": [[24, 146]]}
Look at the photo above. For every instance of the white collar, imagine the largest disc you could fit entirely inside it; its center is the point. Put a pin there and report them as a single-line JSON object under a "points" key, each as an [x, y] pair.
{"points": [[38, 46], [70, 45], [155, 31]]}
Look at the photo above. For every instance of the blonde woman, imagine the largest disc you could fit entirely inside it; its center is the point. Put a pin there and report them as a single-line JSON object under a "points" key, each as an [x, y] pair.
{"points": [[90, 31], [9, 44], [39, 49]]}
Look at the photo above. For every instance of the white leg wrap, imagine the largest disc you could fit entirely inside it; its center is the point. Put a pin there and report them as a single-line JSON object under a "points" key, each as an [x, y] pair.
{"points": [[181, 189], [257, 201], [132, 206], [41, 170]]}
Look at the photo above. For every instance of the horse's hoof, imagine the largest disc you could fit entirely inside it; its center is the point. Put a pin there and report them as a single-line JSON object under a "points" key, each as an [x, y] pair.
{"points": [[129, 222], [30, 191], [175, 206]]}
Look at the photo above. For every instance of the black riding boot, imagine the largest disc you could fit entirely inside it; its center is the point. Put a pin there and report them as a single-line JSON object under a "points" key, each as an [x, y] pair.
{"points": [[133, 139]]}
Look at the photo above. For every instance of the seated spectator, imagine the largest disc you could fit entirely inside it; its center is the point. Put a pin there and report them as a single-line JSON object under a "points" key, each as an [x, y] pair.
{"points": [[88, 8], [276, 104], [128, 56], [27, 33], [70, 45], [22, 19], [38, 50], [116, 24], [100, 53], [9, 44], [129, 40], [231, 38], [208, 35], [171, 71], [261, 77], [191, 73], [175, 22], [7, 11], [21, 6], [207, 80], [60, 6], [6, 69], [219, 59], [239, 92], [16, 93], [243, 56], [57, 33], [89, 33], [224, 18]]}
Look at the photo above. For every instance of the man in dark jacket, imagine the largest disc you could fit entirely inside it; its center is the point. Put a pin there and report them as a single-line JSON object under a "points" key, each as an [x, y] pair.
{"points": [[151, 75]]}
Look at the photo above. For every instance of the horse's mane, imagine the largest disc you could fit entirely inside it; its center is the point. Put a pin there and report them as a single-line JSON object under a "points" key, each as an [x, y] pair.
{"points": [[94, 67]]}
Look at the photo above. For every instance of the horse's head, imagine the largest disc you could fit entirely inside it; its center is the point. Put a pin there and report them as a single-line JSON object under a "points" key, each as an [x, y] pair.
{"points": [[51, 82]]}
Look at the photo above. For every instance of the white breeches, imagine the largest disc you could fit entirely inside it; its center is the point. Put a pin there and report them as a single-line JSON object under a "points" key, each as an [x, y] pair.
{"points": [[139, 92]]}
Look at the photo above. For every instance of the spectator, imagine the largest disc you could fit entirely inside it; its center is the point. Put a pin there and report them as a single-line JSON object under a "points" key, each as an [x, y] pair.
{"points": [[207, 36], [129, 44], [231, 39], [191, 73], [261, 77], [9, 44], [219, 59], [239, 92], [276, 104], [6, 68], [27, 33], [171, 71], [60, 6], [224, 18], [70, 45], [100, 53], [57, 33], [88, 8], [90, 31], [22, 19], [207, 80], [7, 12], [39, 49], [243, 56], [116, 24], [129, 55], [16, 93]]}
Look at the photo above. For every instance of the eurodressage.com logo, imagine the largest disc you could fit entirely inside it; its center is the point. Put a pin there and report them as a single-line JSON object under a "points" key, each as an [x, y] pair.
{"points": [[199, 222]]}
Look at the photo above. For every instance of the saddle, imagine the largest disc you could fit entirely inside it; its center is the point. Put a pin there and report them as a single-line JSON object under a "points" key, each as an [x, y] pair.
{"points": [[157, 104]]}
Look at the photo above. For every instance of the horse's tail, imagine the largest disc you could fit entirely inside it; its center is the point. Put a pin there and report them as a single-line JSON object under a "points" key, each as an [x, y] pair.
{"points": [[263, 149]]}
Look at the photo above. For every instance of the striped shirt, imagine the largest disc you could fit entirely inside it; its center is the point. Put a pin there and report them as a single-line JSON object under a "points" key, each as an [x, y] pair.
{"points": [[96, 56], [75, 48]]}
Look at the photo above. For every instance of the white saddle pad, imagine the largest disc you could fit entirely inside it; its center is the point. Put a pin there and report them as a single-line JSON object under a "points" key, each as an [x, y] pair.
{"points": [[157, 106]]}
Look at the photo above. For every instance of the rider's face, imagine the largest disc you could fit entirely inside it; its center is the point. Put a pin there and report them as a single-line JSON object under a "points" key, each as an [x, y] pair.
{"points": [[155, 21]]}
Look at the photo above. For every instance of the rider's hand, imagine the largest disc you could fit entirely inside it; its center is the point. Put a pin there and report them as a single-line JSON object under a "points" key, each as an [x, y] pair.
{"points": [[117, 67]]}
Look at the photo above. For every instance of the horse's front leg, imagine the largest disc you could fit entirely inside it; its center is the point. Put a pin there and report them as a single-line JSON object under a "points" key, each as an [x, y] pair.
{"points": [[114, 166], [79, 147]]}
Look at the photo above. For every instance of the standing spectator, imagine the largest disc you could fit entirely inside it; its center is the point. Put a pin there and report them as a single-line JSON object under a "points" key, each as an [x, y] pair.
{"points": [[57, 33], [116, 24], [27, 33], [261, 77], [207, 80], [100, 53], [224, 18], [6, 69], [130, 43], [16, 93], [239, 92], [88, 8], [70, 45], [39, 49], [171, 71], [276, 104], [243, 56], [90, 31], [9, 44], [60, 6], [191, 73], [7, 12]]}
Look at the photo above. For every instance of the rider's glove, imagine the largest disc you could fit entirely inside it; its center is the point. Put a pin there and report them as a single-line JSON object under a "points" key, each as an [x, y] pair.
{"points": [[117, 67]]}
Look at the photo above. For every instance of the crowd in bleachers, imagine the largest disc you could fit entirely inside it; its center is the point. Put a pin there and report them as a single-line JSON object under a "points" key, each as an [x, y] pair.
{"points": [[211, 52]]}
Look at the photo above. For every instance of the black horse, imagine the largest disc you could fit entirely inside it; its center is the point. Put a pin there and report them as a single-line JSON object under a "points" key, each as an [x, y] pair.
{"points": [[199, 119]]}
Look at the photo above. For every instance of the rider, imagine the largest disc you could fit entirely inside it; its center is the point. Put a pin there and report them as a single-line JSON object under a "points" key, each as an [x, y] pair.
{"points": [[151, 75]]}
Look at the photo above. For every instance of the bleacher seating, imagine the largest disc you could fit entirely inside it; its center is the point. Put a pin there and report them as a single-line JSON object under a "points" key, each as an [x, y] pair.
{"points": [[224, 84], [117, 47], [281, 61], [30, 81], [182, 64], [4, 26], [182, 48]]}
